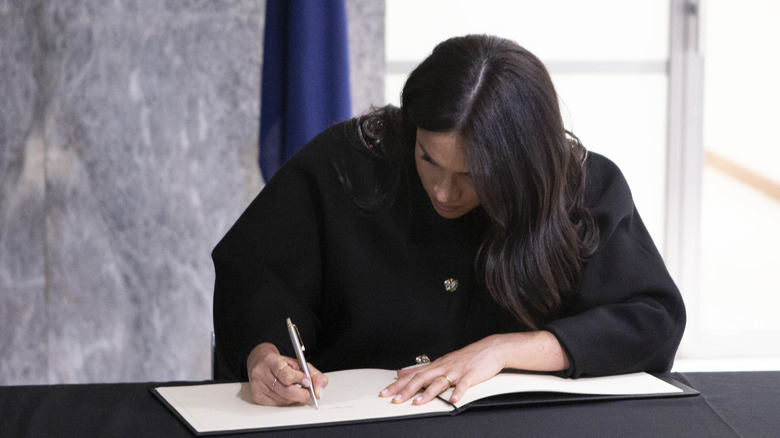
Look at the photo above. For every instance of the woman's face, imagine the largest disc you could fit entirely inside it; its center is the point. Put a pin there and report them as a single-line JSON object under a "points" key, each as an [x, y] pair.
{"points": [[444, 174]]}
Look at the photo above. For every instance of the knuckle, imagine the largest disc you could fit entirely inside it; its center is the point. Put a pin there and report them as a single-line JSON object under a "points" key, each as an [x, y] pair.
{"points": [[419, 378], [465, 381], [287, 375], [255, 372], [393, 388], [286, 379], [430, 393]]}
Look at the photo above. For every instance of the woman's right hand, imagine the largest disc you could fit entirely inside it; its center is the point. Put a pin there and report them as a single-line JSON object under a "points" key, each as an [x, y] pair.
{"points": [[277, 380]]}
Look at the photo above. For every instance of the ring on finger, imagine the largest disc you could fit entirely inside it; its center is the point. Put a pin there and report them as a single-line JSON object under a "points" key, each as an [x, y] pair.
{"points": [[280, 369], [274, 384], [449, 382]]}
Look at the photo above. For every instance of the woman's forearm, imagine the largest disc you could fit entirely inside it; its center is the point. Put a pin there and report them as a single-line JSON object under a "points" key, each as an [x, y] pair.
{"points": [[532, 351]]}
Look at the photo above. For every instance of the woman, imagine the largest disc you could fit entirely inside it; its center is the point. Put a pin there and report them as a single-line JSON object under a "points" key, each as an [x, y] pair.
{"points": [[468, 226]]}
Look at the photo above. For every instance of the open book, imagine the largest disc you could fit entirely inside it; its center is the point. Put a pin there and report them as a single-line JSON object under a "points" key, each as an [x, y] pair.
{"points": [[352, 396]]}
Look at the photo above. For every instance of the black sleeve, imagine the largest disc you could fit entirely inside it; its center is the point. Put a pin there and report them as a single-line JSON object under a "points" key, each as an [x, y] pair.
{"points": [[268, 267], [628, 315]]}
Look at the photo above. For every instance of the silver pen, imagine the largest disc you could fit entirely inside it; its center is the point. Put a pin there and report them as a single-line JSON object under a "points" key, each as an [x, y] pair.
{"points": [[295, 337]]}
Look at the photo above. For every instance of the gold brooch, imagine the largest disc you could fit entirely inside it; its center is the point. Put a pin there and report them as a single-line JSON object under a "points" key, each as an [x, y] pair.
{"points": [[421, 359], [451, 284]]}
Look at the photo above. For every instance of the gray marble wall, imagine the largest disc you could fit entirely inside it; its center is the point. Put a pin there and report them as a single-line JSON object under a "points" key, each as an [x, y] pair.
{"points": [[128, 146]]}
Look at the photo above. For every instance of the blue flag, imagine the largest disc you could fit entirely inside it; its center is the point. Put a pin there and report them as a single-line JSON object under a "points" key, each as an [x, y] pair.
{"points": [[305, 83]]}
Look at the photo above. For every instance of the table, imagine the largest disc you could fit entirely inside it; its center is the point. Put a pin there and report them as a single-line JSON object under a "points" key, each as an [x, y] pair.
{"points": [[731, 404]]}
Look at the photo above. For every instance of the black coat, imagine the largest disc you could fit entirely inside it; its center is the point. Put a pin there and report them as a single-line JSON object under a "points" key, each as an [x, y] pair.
{"points": [[367, 289]]}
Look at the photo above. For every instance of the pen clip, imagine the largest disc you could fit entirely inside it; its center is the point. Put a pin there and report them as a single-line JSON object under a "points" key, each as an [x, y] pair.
{"points": [[297, 334], [300, 340]]}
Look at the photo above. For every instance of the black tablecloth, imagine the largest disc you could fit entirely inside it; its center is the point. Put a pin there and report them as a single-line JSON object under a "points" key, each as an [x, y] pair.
{"points": [[731, 404]]}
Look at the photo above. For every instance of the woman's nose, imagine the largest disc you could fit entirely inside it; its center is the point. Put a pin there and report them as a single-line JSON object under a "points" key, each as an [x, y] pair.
{"points": [[446, 191]]}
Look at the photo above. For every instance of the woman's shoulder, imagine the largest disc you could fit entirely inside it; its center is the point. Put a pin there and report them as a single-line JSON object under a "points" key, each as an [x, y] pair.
{"points": [[355, 143], [607, 193], [604, 179], [367, 135], [348, 158]]}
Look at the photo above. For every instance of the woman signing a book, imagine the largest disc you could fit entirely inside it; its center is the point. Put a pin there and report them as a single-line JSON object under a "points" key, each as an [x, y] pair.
{"points": [[467, 226]]}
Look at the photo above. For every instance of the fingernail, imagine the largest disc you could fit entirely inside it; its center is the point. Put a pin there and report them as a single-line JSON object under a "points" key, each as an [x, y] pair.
{"points": [[397, 397], [306, 382], [417, 399], [454, 398], [384, 392]]}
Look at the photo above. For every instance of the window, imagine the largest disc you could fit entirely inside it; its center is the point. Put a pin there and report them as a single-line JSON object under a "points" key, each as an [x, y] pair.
{"points": [[738, 297], [682, 96]]}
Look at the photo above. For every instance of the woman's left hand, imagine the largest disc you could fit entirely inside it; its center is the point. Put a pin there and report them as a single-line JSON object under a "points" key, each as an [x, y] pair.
{"points": [[475, 363], [462, 368]]}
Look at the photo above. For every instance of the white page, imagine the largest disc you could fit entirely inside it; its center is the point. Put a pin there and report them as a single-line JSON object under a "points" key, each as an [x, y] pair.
{"points": [[509, 382], [351, 395]]}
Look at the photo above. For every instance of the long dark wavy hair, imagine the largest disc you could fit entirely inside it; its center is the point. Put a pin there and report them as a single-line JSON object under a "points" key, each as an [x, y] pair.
{"points": [[527, 170]]}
